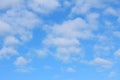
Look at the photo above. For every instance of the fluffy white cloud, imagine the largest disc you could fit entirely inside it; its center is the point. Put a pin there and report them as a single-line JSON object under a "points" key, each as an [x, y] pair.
{"points": [[5, 28], [68, 54], [84, 6], [17, 22], [7, 52], [21, 62], [16, 26], [65, 38], [21, 17], [44, 6], [76, 28], [61, 41], [11, 41]]}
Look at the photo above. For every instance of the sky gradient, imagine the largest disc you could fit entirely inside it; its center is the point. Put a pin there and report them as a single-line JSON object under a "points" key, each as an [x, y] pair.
{"points": [[59, 39]]}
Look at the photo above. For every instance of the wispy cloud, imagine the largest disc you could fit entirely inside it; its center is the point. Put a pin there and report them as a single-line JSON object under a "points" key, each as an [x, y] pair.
{"points": [[101, 63]]}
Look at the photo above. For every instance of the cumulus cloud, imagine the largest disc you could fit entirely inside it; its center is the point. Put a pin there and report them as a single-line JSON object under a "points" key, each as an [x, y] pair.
{"points": [[65, 38], [7, 52], [5, 29], [16, 26], [61, 41], [73, 29], [84, 6], [44, 6], [20, 17], [21, 64], [21, 61], [11, 41]]}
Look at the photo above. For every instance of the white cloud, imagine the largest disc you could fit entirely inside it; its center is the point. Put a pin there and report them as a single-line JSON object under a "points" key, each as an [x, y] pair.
{"points": [[111, 11], [84, 6], [92, 19], [5, 29], [67, 54], [70, 70], [44, 6], [7, 4], [21, 62], [100, 62], [76, 28], [65, 38], [11, 41], [7, 52], [16, 26], [21, 17], [61, 41], [20, 22], [80, 7]]}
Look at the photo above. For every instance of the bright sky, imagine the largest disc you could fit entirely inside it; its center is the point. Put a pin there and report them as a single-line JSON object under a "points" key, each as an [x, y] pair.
{"points": [[59, 39]]}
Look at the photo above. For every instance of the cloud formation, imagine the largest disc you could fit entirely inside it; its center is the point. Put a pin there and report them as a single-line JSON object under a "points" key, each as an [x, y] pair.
{"points": [[64, 33], [44, 6], [101, 62]]}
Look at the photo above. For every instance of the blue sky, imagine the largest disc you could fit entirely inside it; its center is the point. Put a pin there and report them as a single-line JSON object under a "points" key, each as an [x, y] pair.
{"points": [[59, 40]]}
